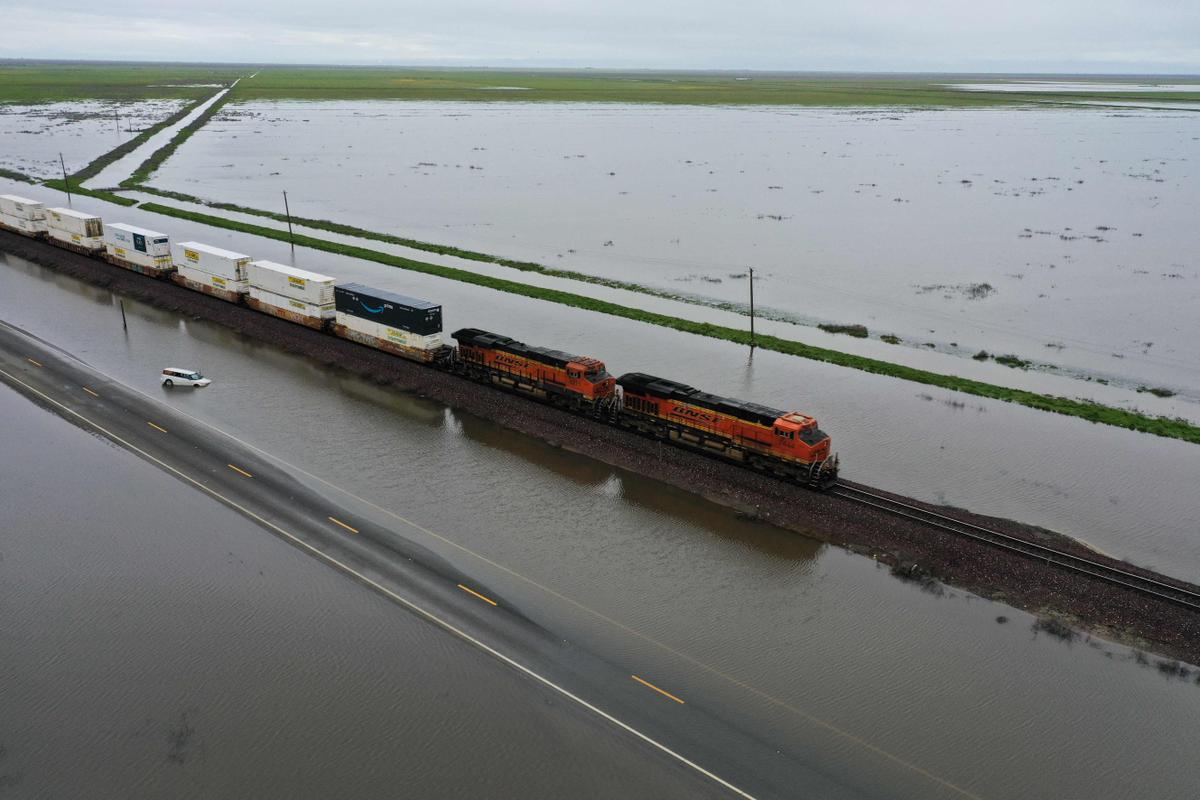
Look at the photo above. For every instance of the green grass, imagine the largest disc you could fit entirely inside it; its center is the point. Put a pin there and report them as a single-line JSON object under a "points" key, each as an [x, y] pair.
{"points": [[76, 189], [13, 175], [1084, 409], [44, 81], [93, 169], [749, 88], [857, 331], [156, 159]]}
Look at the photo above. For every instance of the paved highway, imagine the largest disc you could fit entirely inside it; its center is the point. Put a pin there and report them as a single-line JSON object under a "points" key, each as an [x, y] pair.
{"points": [[367, 544]]}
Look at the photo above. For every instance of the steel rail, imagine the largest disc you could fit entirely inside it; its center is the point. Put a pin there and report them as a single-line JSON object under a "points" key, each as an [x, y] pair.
{"points": [[1153, 587]]}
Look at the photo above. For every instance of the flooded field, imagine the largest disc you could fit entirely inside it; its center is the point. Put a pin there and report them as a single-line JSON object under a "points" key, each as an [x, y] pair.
{"points": [[1063, 236], [846, 657], [32, 136]]}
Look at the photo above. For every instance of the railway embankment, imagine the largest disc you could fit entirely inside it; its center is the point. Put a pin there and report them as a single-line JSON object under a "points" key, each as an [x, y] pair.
{"points": [[938, 560]]}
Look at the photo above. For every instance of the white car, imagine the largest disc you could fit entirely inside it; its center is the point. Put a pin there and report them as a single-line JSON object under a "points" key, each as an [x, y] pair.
{"points": [[173, 376]]}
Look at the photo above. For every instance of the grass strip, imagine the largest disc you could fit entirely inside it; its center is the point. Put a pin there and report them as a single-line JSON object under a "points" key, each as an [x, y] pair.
{"points": [[93, 169], [156, 159], [1084, 409], [99, 194], [648, 86], [487, 258], [13, 175]]}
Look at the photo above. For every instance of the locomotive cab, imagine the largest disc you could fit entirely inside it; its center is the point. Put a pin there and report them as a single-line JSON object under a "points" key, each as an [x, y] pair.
{"points": [[798, 434], [588, 377]]}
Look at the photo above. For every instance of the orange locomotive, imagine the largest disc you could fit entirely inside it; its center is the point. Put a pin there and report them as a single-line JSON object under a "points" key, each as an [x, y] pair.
{"points": [[577, 382], [784, 443]]}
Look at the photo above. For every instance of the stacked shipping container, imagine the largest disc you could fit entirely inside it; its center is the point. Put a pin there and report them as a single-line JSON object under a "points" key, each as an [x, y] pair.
{"points": [[402, 325], [212, 270], [75, 230], [137, 249], [22, 215], [293, 294]]}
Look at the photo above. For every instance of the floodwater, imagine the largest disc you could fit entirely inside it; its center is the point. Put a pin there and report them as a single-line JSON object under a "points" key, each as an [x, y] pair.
{"points": [[1063, 236], [1129, 494], [889, 689], [168, 647], [32, 136]]}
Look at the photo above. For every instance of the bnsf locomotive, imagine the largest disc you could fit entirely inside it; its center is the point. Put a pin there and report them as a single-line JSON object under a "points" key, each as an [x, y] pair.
{"points": [[786, 443], [782, 443]]}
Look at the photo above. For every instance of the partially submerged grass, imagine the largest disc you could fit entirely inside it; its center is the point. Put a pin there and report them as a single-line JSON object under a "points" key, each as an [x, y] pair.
{"points": [[1084, 409], [45, 81], [93, 169], [156, 159], [13, 175], [857, 331], [99, 194]]}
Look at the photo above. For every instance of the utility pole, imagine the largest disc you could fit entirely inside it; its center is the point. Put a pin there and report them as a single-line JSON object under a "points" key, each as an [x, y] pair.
{"points": [[66, 181], [289, 219], [117, 118], [753, 344], [124, 324]]}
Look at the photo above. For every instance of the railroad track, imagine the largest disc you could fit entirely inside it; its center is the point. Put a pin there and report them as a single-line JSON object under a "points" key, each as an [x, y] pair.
{"points": [[1099, 570]]}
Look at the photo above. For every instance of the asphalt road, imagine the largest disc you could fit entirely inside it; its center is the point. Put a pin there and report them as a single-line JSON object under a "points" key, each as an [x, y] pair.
{"points": [[359, 542]]}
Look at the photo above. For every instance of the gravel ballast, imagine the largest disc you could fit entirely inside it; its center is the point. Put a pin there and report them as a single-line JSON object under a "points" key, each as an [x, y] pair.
{"points": [[914, 551]]}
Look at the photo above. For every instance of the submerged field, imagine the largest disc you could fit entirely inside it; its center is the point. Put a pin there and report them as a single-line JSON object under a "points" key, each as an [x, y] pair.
{"points": [[959, 231]]}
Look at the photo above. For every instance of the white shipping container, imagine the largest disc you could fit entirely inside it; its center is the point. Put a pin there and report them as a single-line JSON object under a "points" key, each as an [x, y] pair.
{"points": [[389, 334], [208, 279], [300, 284], [86, 242], [21, 207], [215, 261], [292, 304], [357, 324], [77, 222], [138, 240], [30, 226]]}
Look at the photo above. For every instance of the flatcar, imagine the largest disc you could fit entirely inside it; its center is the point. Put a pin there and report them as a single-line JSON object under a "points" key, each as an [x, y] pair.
{"points": [[577, 382], [785, 443]]}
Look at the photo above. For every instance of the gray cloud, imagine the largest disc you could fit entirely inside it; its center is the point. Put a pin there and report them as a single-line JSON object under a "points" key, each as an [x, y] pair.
{"points": [[934, 35]]}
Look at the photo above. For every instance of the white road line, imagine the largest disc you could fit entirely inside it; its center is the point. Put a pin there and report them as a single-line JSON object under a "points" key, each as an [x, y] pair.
{"points": [[389, 593], [748, 687]]}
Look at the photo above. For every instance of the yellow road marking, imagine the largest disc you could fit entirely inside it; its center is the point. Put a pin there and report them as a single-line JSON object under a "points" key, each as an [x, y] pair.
{"points": [[31, 361], [344, 525], [655, 688], [89, 391], [477, 594], [157, 427], [685, 656], [243, 472], [386, 592]]}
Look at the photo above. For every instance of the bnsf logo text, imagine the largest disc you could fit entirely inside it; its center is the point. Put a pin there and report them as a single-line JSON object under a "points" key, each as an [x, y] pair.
{"points": [[692, 413], [511, 361]]}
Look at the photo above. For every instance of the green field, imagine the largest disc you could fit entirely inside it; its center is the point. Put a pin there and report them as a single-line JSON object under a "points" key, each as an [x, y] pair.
{"points": [[44, 82], [343, 83]]}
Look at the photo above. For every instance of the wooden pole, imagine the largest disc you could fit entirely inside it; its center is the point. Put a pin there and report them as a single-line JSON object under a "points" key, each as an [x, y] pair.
{"points": [[66, 181], [124, 324], [753, 344], [288, 211]]}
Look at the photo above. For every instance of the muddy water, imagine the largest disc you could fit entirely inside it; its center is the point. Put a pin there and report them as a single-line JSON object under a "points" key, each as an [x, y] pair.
{"points": [[1061, 235], [811, 647], [164, 648], [32, 136]]}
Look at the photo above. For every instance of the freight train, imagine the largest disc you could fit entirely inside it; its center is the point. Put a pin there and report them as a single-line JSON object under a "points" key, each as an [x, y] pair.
{"points": [[786, 444]]}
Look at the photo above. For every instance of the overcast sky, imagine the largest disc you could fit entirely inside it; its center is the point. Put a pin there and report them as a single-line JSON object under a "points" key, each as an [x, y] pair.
{"points": [[870, 35]]}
